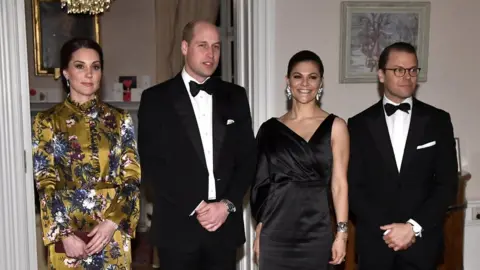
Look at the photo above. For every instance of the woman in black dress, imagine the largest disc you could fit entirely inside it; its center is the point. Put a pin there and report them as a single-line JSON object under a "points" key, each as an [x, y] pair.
{"points": [[301, 177]]}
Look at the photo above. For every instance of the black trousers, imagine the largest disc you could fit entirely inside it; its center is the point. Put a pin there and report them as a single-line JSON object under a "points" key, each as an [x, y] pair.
{"points": [[401, 264], [206, 256], [397, 264]]}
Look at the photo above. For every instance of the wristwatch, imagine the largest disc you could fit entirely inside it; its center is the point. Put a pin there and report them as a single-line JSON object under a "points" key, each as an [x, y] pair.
{"points": [[342, 227], [230, 206]]}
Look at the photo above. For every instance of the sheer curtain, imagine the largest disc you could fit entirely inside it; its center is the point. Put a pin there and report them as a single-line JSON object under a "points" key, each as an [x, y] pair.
{"points": [[171, 16]]}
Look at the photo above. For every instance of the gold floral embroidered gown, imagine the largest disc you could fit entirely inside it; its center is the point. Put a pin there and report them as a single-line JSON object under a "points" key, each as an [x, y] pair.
{"points": [[86, 170]]}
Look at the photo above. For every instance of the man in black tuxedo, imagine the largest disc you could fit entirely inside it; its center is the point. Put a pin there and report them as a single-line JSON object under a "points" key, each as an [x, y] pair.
{"points": [[197, 152], [402, 171]]}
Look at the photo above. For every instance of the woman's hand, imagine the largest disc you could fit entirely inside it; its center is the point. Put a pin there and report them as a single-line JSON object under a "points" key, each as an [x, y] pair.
{"points": [[256, 243], [339, 248], [102, 234], [256, 248], [74, 247]]}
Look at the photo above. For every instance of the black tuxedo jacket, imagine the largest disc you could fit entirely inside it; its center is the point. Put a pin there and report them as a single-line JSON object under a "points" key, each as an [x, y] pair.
{"points": [[174, 167], [423, 189]]}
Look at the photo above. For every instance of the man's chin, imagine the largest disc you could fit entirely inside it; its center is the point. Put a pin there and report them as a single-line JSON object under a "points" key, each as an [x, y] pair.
{"points": [[208, 71], [406, 93], [208, 74]]}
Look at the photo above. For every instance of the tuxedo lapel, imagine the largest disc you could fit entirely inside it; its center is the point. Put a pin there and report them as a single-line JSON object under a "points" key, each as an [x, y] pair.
{"points": [[379, 130], [218, 122], [417, 124], [183, 105]]}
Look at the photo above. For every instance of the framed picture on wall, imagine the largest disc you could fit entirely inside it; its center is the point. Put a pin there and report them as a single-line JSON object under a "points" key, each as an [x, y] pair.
{"points": [[52, 27], [368, 27]]}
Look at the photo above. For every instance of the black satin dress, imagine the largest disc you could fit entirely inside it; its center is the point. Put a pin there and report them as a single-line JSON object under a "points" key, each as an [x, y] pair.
{"points": [[292, 198]]}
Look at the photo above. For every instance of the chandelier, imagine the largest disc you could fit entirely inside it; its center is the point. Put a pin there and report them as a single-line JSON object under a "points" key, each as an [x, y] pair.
{"points": [[93, 7]]}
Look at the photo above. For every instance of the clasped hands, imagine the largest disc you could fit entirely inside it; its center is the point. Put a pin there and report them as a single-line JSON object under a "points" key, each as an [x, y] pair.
{"points": [[211, 215], [102, 234], [398, 236]]}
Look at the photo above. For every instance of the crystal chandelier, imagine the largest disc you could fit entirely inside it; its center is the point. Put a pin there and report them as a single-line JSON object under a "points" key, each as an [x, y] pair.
{"points": [[93, 7]]}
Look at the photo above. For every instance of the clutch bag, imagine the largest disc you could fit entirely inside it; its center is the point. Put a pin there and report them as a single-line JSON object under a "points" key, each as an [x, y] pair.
{"points": [[59, 248]]}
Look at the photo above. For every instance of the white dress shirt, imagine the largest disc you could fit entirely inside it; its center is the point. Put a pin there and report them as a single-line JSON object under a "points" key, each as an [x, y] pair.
{"points": [[398, 125], [202, 107]]}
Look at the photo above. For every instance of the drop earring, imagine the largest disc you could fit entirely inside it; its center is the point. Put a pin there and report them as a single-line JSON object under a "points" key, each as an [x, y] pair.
{"points": [[288, 93], [319, 93]]}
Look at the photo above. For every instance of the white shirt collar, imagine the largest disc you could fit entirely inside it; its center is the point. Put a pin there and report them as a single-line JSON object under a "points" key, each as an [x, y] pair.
{"points": [[408, 100], [187, 78]]}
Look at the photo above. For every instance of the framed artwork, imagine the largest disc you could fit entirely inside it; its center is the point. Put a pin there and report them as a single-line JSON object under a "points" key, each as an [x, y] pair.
{"points": [[52, 27], [368, 27]]}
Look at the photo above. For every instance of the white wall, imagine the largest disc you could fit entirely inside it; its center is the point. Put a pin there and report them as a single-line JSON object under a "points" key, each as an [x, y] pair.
{"points": [[453, 66]]}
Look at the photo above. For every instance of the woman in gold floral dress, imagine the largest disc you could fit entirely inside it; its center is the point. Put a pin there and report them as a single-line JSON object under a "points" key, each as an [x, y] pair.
{"points": [[86, 170]]}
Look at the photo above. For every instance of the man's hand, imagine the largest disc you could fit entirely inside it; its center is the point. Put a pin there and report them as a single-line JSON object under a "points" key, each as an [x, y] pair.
{"points": [[400, 236], [212, 215]]}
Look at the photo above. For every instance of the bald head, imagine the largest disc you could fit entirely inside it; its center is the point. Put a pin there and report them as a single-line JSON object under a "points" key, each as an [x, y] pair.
{"points": [[193, 26]]}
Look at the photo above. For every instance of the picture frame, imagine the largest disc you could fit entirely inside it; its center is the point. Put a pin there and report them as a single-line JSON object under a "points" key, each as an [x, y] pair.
{"points": [[459, 158], [362, 41], [52, 27]]}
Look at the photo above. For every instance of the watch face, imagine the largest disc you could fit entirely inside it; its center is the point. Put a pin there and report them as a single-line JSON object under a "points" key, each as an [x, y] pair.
{"points": [[230, 206]]}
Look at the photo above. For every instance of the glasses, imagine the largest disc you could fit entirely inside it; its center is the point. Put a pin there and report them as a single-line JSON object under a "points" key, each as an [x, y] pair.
{"points": [[400, 72]]}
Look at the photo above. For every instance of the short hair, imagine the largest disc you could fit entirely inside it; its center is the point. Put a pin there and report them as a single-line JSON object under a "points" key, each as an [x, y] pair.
{"points": [[397, 46], [305, 56], [189, 29], [71, 47], [187, 33]]}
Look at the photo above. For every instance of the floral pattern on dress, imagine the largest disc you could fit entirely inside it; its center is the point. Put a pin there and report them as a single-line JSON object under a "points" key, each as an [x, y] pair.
{"points": [[86, 169]]}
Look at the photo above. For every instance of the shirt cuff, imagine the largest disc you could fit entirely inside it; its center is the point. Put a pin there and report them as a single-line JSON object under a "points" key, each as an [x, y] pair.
{"points": [[417, 229], [194, 210]]}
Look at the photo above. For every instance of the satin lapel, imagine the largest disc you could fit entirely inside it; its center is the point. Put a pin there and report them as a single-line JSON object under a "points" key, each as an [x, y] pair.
{"points": [[379, 130], [183, 105], [415, 132], [219, 101]]}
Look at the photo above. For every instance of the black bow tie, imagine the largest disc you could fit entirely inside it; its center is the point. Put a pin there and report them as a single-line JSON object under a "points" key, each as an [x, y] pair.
{"points": [[195, 88], [391, 109]]}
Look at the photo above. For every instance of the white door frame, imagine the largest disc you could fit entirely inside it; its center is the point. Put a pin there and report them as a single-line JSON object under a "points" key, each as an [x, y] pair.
{"points": [[17, 205], [255, 70]]}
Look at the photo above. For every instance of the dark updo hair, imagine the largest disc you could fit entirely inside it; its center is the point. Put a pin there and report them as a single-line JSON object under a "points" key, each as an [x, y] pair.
{"points": [[71, 47], [305, 56]]}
